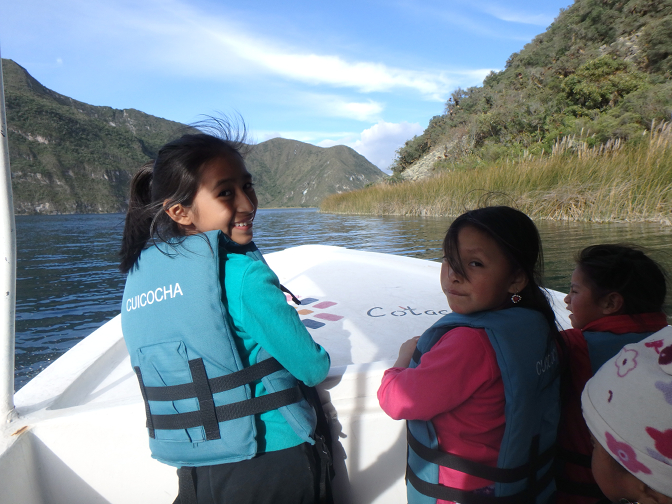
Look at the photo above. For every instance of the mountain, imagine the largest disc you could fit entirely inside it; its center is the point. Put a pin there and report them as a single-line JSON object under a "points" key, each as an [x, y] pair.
{"points": [[602, 71], [70, 157], [292, 173]]}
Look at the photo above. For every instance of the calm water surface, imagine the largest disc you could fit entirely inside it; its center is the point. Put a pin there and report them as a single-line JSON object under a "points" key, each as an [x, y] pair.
{"points": [[68, 283]]}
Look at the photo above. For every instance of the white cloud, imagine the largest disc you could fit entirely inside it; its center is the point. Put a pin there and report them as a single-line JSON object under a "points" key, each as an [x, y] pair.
{"points": [[226, 45], [337, 106], [363, 111], [378, 143], [329, 143], [178, 38], [335, 71], [501, 12]]}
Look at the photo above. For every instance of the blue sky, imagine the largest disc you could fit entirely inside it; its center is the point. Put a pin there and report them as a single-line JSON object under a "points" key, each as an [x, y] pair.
{"points": [[369, 74]]}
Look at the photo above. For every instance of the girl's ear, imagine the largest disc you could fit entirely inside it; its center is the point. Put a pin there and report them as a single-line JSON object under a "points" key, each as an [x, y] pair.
{"points": [[519, 282], [611, 303], [179, 213]]}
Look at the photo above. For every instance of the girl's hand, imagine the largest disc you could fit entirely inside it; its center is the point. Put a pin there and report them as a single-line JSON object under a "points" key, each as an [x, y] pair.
{"points": [[406, 352]]}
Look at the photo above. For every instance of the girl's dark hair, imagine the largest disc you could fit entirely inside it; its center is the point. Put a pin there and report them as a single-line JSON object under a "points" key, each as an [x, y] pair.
{"points": [[519, 240], [625, 269], [171, 179]]}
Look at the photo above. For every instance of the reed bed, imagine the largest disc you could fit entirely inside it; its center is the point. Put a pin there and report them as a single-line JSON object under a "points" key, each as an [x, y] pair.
{"points": [[605, 183]]}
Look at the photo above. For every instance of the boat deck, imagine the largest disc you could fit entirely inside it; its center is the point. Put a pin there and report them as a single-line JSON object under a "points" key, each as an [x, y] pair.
{"points": [[80, 435]]}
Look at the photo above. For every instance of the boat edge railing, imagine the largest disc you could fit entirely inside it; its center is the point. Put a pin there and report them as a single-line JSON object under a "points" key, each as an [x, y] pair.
{"points": [[7, 271]]}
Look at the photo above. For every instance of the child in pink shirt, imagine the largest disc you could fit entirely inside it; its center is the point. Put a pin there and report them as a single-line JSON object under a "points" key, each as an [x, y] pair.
{"points": [[485, 375]]}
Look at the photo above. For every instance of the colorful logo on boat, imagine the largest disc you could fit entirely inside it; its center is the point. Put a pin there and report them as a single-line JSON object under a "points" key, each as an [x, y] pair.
{"points": [[315, 312]]}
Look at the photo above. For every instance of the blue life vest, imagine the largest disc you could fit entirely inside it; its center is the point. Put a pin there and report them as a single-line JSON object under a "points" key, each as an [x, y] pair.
{"points": [[198, 399], [528, 361], [602, 346]]}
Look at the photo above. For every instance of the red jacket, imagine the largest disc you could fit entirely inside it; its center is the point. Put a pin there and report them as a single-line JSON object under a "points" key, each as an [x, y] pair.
{"points": [[573, 434]]}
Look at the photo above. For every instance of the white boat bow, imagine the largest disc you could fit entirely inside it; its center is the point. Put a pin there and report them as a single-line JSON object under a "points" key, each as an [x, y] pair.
{"points": [[79, 435]]}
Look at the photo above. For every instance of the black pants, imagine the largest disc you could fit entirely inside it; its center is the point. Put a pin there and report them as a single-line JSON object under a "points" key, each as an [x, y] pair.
{"points": [[284, 476]]}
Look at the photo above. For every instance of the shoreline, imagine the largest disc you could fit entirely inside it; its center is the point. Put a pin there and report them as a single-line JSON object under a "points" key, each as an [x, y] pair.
{"points": [[627, 184], [648, 220]]}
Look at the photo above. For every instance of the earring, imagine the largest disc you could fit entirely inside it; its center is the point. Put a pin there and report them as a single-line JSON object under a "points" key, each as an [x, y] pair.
{"points": [[516, 298]]}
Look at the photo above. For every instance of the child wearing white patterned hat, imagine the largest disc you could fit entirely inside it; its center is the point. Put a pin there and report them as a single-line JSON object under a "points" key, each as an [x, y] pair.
{"points": [[628, 408]]}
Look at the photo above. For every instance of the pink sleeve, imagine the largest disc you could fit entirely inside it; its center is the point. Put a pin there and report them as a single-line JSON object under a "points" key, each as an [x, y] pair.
{"points": [[460, 363]]}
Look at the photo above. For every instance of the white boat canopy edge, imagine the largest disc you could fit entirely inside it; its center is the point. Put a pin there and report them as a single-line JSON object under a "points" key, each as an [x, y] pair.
{"points": [[7, 270]]}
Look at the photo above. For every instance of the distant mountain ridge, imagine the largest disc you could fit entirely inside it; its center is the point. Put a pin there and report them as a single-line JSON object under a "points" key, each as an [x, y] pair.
{"points": [[71, 157], [293, 173]]}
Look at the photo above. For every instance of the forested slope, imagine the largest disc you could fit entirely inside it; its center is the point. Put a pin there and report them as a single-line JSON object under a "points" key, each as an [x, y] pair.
{"points": [[602, 71]]}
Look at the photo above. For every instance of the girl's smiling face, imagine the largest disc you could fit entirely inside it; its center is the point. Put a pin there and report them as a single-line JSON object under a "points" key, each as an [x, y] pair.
{"points": [[225, 200], [489, 281], [581, 301]]}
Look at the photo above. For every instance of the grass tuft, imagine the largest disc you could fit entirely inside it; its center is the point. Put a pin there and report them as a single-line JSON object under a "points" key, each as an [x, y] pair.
{"points": [[606, 183]]}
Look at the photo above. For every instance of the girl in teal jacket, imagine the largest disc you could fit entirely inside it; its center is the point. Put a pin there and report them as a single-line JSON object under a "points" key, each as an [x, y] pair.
{"points": [[202, 309]]}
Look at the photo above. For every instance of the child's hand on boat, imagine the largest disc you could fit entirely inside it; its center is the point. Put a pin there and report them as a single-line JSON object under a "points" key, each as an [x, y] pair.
{"points": [[406, 352]]}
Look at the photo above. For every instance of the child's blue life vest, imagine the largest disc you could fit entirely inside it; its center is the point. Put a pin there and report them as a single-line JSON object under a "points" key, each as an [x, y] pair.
{"points": [[197, 394], [528, 361], [602, 346]]}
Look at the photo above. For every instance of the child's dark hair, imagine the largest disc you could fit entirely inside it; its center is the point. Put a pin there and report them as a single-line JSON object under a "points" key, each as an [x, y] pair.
{"points": [[625, 269], [171, 179], [519, 240]]}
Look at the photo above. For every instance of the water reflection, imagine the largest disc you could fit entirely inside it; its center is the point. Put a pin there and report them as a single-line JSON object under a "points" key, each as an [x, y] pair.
{"points": [[421, 237], [69, 283], [412, 236]]}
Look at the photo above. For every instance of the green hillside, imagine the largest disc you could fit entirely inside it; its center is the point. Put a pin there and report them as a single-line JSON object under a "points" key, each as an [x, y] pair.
{"points": [[70, 157], [292, 173], [602, 71]]}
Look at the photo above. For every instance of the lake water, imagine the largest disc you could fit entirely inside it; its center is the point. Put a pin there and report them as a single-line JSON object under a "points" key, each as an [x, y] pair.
{"points": [[68, 282]]}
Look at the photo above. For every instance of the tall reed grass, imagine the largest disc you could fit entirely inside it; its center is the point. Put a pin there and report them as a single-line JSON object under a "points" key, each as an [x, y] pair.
{"points": [[613, 182]]}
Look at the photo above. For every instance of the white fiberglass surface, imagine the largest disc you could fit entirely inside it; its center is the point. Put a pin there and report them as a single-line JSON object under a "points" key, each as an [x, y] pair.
{"points": [[96, 371], [361, 306]]}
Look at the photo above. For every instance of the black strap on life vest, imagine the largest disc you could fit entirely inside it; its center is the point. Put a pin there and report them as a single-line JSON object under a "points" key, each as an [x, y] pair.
{"points": [[526, 471], [323, 447], [219, 384], [416, 355], [322, 450], [208, 415]]}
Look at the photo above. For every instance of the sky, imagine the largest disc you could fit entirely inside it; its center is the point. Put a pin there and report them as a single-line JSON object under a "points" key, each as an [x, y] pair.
{"points": [[368, 74]]}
